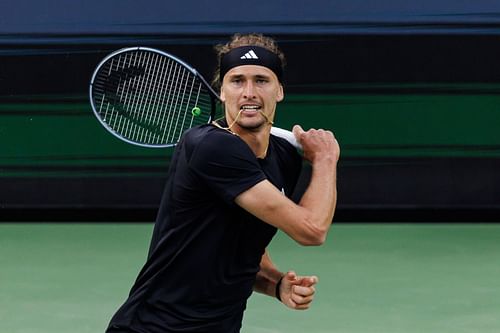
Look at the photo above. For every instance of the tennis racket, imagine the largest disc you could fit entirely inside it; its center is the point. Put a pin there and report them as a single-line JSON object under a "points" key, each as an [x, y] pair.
{"points": [[148, 97]]}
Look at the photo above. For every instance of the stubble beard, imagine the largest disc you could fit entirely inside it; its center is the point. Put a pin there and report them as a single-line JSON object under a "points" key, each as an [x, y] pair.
{"points": [[254, 124]]}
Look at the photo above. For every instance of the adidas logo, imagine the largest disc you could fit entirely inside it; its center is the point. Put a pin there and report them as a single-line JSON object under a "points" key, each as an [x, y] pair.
{"points": [[249, 55]]}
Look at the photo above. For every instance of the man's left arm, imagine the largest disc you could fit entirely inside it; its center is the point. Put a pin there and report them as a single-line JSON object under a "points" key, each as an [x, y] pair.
{"points": [[296, 292]]}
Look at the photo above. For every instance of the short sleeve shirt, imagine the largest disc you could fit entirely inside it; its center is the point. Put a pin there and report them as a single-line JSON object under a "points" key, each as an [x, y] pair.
{"points": [[206, 250]]}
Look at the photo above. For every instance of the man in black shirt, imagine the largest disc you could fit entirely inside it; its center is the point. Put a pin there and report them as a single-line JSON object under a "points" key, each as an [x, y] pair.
{"points": [[226, 195]]}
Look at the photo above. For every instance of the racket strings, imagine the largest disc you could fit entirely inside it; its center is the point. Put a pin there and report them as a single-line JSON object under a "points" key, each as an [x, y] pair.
{"points": [[147, 97], [177, 97]]}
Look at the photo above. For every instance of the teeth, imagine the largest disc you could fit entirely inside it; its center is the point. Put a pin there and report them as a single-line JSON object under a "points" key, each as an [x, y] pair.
{"points": [[250, 107]]}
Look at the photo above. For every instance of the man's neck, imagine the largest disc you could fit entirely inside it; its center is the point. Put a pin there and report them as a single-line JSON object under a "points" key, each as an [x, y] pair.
{"points": [[257, 140]]}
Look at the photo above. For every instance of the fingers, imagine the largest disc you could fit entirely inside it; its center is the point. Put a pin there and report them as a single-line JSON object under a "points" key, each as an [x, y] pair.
{"points": [[291, 276], [321, 134], [302, 290], [301, 304], [309, 281], [317, 143], [301, 280], [297, 131], [302, 297], [306, 281]]}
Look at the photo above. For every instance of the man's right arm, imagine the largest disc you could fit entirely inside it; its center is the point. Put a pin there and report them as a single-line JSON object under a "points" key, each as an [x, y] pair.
{"points": [[308, 221]]}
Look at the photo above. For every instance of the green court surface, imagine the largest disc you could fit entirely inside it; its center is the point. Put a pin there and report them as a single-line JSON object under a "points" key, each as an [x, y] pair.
{"points": [[70, 278]]}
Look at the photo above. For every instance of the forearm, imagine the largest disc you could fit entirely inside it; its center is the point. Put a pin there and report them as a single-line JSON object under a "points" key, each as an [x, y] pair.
{"points": [[322, 150], [309, 221], [320, 197], [267, 277]]}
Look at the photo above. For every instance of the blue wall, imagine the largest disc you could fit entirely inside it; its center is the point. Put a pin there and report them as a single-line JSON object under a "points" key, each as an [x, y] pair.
{"points": [[281, 16]]}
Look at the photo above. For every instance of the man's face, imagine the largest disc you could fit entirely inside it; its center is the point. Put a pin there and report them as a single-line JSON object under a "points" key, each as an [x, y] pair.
{"points": [[254, 90]]}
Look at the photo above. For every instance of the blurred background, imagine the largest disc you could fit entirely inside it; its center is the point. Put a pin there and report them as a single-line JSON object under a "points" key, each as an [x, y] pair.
{"points": [[410, 90]]}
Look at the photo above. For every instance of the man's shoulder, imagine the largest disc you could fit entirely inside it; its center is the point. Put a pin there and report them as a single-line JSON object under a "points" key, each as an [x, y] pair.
{"points": [[211, 142], [210, 135]]}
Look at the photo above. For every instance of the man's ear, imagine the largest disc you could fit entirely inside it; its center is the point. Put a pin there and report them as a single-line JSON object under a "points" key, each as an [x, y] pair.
{"points": [[281, 94], [222, 95]]}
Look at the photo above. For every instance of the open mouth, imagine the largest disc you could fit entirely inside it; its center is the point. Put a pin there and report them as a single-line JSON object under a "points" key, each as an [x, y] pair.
{"points": [[253, 108]]}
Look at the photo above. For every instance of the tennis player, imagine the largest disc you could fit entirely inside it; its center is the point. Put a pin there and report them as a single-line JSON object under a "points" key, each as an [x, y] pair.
{"points": [[227, 193]]}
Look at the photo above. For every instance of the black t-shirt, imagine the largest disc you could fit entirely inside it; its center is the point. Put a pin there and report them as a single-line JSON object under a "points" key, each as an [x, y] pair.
{"points": [[206, 250]]}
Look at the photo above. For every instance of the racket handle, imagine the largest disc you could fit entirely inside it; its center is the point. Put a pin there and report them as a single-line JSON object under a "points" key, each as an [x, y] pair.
{"points": [[287, 135]]}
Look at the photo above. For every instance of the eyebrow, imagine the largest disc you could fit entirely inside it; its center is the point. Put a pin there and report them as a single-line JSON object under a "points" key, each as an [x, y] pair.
{"points": [[257, 76]]}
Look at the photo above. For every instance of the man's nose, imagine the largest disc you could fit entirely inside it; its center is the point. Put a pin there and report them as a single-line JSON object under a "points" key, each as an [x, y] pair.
{"points": [[249, 91]]}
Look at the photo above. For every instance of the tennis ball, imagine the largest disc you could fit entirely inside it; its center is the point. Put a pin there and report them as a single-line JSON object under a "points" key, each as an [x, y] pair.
{"points": [[196, 111]]}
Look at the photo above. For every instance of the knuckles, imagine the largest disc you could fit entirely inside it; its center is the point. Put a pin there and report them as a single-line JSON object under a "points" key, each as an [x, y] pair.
{"points": [[318, 134]]}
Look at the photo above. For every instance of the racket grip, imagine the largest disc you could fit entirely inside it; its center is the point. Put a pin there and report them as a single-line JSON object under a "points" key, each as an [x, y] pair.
{"points": [[287, 135]]}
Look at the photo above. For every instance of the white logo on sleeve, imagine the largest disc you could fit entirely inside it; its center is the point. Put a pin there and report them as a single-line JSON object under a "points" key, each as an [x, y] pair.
{"points": [[283, 191], [249, 55]]}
